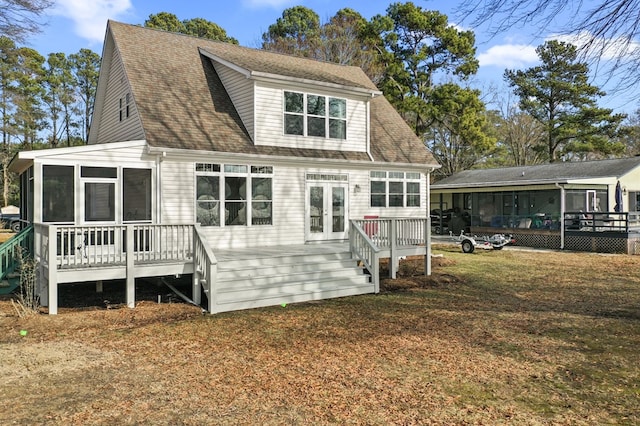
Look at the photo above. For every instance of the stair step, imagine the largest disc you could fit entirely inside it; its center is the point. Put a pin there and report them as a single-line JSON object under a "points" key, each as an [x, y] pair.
{"points": [[8, 285], [225, 304], [276, 279], [307, 285], [225, 271], [270, 260]]}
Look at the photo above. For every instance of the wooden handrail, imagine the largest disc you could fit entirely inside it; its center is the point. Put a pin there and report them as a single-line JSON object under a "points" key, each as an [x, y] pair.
{"points": [[205, 269], [365, 250]]}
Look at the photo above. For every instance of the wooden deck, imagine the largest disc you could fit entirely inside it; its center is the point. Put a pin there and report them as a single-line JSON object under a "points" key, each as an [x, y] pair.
{"points": [[228, 279]]}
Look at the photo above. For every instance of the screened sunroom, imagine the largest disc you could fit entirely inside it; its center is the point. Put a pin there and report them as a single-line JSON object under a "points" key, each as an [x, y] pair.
{"points": [[543, 206]]}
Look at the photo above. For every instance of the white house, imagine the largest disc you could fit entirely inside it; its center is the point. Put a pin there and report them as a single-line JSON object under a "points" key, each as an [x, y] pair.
{"points": [[198, 148]]}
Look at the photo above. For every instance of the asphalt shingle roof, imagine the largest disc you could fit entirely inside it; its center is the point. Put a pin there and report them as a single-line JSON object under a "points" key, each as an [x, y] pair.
{"points": [[545, 173], [183, 104]]}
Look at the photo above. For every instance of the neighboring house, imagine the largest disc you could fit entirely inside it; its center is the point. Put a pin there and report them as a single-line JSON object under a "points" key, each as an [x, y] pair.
{"points": [[260, 149], [557, 205]]}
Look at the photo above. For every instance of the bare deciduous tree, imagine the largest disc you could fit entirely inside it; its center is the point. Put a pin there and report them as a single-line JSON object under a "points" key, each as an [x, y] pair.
{"points": [[19, 18], [602, 30]]}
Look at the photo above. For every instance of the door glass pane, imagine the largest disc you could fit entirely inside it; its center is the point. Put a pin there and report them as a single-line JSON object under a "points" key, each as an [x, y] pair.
{"points": [[99, 202], [316, 207], [338, 209]]}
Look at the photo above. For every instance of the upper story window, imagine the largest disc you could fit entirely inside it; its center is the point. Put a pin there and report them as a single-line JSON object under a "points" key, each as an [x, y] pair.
{"points": [[315, 115], [125, 104], [395, 189]]}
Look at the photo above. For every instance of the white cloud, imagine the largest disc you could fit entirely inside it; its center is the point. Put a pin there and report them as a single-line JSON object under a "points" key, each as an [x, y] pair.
{"points": [[276, 4], [607, 49], [90, 17], [509, 56]]}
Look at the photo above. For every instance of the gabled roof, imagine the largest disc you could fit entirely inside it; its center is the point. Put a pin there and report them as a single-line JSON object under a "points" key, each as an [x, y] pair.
{"points": [[183, 104], [541, 174]]}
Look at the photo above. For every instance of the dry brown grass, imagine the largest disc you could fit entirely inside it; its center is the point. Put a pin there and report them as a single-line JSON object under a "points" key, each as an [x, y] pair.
{"points": [[509, 337], [5, 234]]}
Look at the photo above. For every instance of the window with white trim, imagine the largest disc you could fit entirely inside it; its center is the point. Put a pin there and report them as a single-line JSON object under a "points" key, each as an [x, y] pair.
{"points": [[394, 189], [233, 194], [315, 115], [124, 106]]}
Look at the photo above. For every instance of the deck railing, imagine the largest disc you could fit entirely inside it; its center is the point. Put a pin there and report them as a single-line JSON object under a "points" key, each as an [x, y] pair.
{"points": [[365, 250], [107, 245], [392, 235], [205, 269], [395, 232], [11, 251], [601, 221]]}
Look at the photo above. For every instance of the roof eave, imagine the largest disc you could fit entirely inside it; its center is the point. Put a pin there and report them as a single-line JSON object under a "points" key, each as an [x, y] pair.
{"points": [[178, 152], [270, 77], [500, 184]]}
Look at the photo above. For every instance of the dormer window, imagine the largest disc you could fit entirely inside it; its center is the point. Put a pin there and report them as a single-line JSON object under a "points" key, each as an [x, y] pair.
{"points": [[315, 115]]}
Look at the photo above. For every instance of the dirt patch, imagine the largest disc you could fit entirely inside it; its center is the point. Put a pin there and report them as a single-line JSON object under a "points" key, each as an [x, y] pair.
{"points": [[27, 360], [410, 274]]}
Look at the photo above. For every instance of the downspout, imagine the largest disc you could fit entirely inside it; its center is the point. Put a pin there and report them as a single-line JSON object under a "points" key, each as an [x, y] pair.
{"points": [[427, 232], [369, 129], [158, 210], [562, 210]]}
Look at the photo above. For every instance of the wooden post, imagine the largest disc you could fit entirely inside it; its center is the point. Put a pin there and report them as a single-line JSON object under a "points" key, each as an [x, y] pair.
{"points": [[393, 258], [131, 279], [99, 288], [196, 291], [52, 269], [212, 277], [427, 242]]}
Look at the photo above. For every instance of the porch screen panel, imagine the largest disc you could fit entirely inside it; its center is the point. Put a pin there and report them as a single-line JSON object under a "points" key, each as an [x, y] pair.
{"points": [[99, 202], [235, 200], [261, 201], [208, 200], [57, 194], [136, 194]]}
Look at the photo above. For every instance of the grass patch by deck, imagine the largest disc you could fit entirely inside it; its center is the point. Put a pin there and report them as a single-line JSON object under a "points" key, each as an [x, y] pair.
{"points": [[518, 337]]}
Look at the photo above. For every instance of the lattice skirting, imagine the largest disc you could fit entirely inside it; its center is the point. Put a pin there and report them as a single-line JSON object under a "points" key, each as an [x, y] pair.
{"points": [[596, 242], [538, 240], [606, 243]]}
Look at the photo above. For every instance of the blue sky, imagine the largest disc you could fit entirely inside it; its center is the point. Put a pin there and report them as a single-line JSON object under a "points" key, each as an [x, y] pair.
{"points": [[76, 24]]}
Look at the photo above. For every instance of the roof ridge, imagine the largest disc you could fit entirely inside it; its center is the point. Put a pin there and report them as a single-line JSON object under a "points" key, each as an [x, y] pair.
{"points": [[237, 46]]}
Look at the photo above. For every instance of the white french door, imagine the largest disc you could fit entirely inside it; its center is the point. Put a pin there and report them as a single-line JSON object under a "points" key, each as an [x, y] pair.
{"points": [[326, 211]]}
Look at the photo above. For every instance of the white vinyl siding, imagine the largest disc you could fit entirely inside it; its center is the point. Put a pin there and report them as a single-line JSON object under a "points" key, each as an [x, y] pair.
{"points": [[112, 129], [269, 126], [240, 90], [177, 189], [288, 215]]}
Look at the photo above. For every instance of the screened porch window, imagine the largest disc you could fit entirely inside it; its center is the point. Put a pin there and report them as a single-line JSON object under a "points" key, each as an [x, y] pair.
{"points": [[57, 193], [136, 194]]}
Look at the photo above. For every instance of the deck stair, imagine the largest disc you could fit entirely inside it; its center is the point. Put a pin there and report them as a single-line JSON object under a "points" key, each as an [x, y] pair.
{"points": [[274, 277], [9, 259]]}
